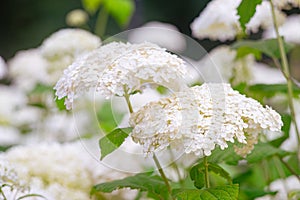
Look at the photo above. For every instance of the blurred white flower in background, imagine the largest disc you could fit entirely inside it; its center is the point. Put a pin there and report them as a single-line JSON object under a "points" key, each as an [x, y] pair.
{"points": [[221, 65], [28, 68], [283, 187], [202, 117], [286, 4], [260, 70], [3, 68], [119, 68], [163, 34], [263, 17], [62, 47], [77, 17], [289, 30], [61, 171], [220, 21]]}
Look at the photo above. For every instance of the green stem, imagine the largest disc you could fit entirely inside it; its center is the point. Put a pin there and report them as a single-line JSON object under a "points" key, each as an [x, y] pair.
{"points": [[101, 22], [162, 174], [127, 96], [207, 185], [290, 168], [286, 71], [181, 182]]}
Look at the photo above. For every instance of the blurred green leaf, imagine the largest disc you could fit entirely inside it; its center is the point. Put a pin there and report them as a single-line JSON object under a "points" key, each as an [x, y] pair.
{"points": [[60, 104], [246, 10], [120, 10], [268, 47], [108, 118], [113, 140], [219, 171], [244, 51], [40, 88], [91, 5], [227, 155], [152, 184], [262, 151], [226, 192]]}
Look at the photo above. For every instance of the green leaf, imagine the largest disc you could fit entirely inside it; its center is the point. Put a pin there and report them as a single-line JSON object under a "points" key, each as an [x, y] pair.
{"points": [[153, 184], [113, 140], [227, 155], [197, 175], [40, 88], [108, 118], [246, 10], [286, 119], [268, 47], [262, 151], [60, 104], [120, 10], [226, 192], [91, 5], [244, 51], [219, 171]]}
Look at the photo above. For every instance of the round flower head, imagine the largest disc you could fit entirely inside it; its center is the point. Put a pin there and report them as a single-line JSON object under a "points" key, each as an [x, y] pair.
{"points": [[117, 67], [142, 63], [200, 118], [63, 46]]}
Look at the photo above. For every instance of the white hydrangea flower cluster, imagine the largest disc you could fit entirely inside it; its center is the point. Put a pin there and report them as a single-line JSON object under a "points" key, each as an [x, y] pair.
{"points": [[201, 118], [64, 46], [220, 21], [117, 68], [28, 68], [10, 183], [3, 68], [142, 63], [60, 171], [288, 30], [221, 65]]}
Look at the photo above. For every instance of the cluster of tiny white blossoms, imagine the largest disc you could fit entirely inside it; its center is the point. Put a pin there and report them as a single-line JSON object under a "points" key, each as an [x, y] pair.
{"points": [[119, 68], [64, 46], [200, 118], [10, 184], [60, 171], [220, 21]]}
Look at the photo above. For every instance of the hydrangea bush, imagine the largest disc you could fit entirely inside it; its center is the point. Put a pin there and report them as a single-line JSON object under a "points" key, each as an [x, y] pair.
{"points": [[116, 119]]}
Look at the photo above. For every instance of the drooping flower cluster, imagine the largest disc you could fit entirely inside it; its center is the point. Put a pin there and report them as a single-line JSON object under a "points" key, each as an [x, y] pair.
{"points": [[119, 68], [200, 118], [220, 21], [64, 46]]}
